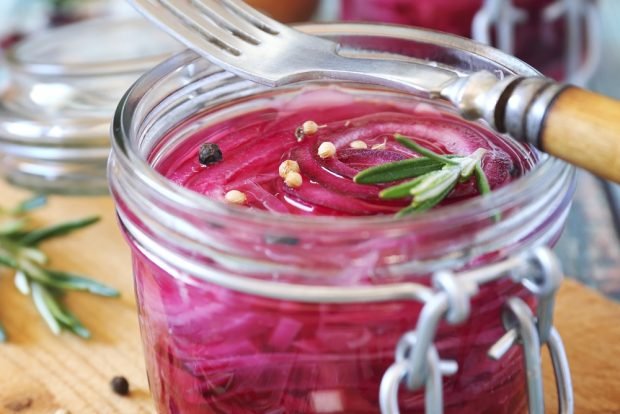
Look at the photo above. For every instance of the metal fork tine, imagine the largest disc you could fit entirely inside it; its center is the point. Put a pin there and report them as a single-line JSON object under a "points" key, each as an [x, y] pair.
{"points": [[266, 24], [231, 21], [188, 12], [189, 35]]}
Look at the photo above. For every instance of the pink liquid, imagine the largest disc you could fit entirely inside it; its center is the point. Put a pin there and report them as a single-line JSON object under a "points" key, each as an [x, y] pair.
{"points": [[213, 350], [255, 144]]}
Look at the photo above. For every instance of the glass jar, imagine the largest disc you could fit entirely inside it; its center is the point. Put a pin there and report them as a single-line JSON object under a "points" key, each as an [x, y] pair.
{"points": [[63, 86], [561, 38], [243, 311]]}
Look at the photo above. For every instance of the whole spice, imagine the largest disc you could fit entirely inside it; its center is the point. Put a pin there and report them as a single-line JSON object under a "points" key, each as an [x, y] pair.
{"points": [[293, 179], [209, 153], [120, 385], [19, 251], [326, 149], [288, 166], [310, 127], [434, 176], [307, 128], [235, 197]]}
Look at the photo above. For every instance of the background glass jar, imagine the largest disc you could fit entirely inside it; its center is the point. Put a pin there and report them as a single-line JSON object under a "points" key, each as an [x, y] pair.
{"points": [[560, 38], [63, 86], [216, 341]]}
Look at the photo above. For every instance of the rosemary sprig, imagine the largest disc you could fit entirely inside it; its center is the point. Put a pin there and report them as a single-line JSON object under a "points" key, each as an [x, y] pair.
{"points": [[434, 176], [19, 251]]}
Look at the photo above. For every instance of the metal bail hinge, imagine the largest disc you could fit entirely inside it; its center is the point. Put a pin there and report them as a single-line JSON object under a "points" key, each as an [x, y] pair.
{"points": [[417, 362]]}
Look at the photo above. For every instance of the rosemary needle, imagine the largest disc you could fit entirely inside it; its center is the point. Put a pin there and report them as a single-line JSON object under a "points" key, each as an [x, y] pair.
{"points": [[433, 176], [19, 251]]}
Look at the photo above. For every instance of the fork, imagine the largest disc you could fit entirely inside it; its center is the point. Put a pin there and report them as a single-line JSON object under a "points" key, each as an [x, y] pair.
{"points": [[573, 124]]}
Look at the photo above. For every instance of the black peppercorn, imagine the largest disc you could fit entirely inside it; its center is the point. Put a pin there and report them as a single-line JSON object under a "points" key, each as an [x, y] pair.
{"points": [[120, 385], [209, 154]]}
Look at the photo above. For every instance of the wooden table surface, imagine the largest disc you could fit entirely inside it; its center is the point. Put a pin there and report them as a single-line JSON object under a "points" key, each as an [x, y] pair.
{"points": [[40, 373]]}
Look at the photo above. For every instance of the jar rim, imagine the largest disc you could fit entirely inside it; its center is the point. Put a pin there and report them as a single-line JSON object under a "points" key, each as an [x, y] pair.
{"points": [[78, 32], [546, 172]]}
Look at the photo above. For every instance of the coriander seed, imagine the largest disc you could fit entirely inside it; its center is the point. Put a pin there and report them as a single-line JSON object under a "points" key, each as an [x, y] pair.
{"points": [[358, 144], [235, 197], [120, 385], [293, 179], [287, 166], [327, 149], [310, 127], [209, 154]]}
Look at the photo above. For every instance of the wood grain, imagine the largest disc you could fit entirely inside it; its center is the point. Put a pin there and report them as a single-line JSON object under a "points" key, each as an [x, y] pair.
{"points": [[583, 128], [40, 373]]}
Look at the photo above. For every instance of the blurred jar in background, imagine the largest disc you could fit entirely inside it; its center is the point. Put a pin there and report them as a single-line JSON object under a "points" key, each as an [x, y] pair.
{"points": [[558, 37], [19, 18]]}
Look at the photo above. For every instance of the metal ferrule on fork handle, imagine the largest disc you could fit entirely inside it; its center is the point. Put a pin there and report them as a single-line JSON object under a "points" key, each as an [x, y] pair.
{"points": [[514, 105], [570, 123]]}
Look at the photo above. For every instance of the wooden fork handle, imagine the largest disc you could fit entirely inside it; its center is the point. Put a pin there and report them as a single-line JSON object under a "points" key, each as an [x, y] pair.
{"points": [[583, 128]]}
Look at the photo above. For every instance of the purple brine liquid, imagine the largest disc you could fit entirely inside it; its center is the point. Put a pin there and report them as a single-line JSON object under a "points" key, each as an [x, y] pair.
{"points": [[213, 350]]}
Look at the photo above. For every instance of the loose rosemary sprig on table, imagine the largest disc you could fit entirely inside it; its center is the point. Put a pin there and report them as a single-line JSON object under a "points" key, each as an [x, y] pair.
{"points": [[434, 176], [19, 251]]}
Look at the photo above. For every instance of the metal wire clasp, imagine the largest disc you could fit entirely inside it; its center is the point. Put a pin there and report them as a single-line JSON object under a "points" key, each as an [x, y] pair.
{"points": [[583, 50], [543, 278], [417, 362]]}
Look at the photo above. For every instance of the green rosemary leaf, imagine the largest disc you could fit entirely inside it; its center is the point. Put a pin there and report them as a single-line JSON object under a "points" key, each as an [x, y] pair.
{"points": [[12, 226], [423, 206], [481, 180], [407, 142], [33, 254], [75, 325], [3, 336], [40, 298], [18, 251], [30, 204], [436, 184], [55, 308], [21, 283], [398, 170], [39, 235], [71, 281], [401, 190], [6, 259]]}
